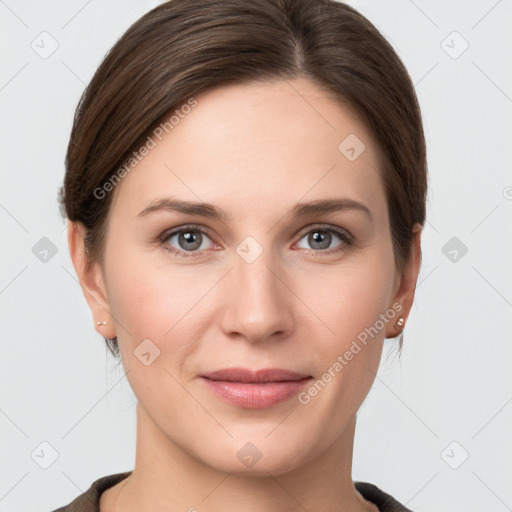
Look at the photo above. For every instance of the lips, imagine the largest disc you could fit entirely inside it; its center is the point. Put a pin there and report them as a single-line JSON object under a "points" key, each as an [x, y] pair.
{"points": [[254, 389], [245, 375]]}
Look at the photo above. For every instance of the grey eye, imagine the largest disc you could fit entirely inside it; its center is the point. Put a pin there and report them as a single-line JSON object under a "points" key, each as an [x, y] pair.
{"points": [[188, 240]]}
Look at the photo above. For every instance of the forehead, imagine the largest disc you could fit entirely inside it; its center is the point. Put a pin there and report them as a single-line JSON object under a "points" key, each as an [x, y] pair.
{"points": [[254, 144]]}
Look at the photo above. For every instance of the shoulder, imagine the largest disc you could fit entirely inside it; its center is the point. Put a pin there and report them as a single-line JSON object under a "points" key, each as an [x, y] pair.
{"points": [[89, 501], [383, 500]]}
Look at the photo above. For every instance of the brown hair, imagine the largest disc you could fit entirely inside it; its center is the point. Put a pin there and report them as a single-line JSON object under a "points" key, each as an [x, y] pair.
{"points": [[184, 47]]}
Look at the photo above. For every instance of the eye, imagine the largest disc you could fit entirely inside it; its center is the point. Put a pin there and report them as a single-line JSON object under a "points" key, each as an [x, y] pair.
{"points": [[189, 239], [320, 238]]}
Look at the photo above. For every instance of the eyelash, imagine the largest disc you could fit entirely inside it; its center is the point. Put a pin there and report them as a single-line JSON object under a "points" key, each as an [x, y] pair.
{"points": [[344, 236]]}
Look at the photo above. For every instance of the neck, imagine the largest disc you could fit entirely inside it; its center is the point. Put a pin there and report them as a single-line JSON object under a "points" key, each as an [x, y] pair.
{"points": [[166, 477]]}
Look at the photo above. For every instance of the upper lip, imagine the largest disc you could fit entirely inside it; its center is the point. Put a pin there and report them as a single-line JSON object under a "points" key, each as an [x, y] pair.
{"points": [[246, 375]]}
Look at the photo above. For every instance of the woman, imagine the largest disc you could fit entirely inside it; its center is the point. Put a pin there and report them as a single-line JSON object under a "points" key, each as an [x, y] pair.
{"points": [[245, 187]]}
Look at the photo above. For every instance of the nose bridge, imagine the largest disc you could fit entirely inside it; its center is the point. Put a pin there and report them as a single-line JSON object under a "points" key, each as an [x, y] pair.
{"points": [[258, 306], [253, 273]]}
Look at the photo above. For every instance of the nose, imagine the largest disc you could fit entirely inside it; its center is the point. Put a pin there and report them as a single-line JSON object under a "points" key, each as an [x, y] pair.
{"points": [[259, 304]]}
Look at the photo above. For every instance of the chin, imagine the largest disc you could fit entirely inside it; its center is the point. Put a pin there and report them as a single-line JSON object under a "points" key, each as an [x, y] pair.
{"points": [[257, 458]]}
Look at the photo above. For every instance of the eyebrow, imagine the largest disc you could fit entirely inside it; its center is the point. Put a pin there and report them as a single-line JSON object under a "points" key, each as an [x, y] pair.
{"points": [[211, 211]]}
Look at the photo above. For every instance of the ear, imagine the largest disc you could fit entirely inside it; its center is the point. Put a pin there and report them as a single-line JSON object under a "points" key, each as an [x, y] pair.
{"points": [[91, 280], [405, 285]]}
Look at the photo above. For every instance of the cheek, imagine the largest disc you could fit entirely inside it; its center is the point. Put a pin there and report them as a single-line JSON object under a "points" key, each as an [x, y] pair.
{"points": [[138, 306], [351, 306], [348, 355], [351, 296], [156, 302]]}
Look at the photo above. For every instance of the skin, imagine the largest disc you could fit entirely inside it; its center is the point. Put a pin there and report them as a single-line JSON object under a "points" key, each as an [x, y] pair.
{"points": [[295, 307]]}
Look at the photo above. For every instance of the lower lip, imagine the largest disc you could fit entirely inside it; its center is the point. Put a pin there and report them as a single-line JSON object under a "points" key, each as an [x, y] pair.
{"points": [[255, 395]]}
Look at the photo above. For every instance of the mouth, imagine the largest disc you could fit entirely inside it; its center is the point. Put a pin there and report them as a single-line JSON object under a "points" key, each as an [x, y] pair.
{"points": [[255, 389], [245, 375]]}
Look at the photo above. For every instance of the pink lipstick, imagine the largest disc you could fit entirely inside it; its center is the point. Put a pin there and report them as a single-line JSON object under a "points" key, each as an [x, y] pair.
{"points": [[255, 389]]}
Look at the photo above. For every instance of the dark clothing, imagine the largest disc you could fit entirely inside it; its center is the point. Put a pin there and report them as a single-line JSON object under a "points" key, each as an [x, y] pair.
{"points": [[89, 501]]}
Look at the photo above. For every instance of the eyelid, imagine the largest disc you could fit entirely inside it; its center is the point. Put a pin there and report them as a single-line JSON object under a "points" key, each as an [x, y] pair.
{"points": [[324, 227], [168, 233]]}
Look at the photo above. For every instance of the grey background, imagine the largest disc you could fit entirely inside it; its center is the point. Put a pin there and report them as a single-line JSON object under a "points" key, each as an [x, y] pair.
{"points": [[450, 396]]}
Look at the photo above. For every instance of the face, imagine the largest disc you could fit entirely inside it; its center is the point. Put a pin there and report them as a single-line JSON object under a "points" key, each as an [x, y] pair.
{"points": [[271, 283]]}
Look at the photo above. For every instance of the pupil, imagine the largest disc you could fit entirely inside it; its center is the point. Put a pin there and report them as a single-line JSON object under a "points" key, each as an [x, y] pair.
{"points": [[320, 238], [190, 238]]}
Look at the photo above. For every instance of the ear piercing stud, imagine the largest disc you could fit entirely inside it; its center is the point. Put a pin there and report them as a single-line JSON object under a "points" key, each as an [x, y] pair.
{"points": [[399, 323]]}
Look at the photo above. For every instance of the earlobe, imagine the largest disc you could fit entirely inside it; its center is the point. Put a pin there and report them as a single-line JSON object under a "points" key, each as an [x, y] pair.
{"points": [[407, 285], [91, 281]]}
